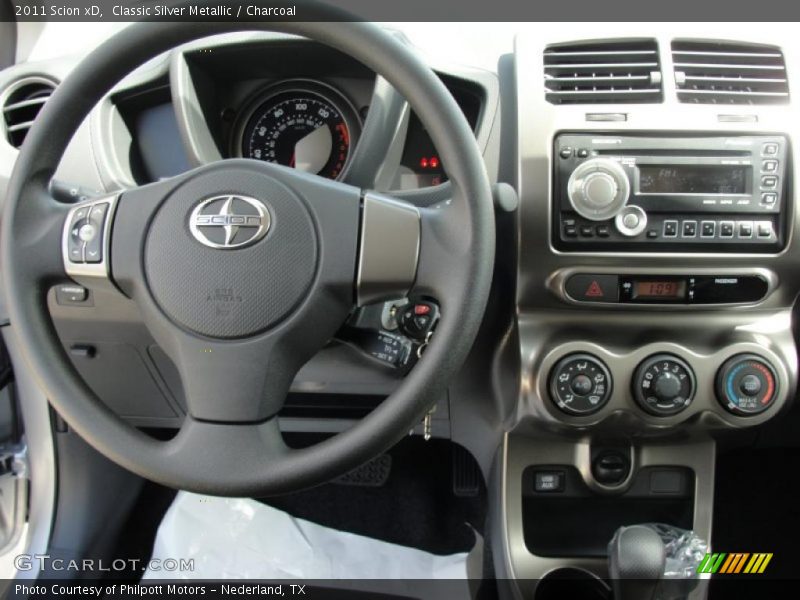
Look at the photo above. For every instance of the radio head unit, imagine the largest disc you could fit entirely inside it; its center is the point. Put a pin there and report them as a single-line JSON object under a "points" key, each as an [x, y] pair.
{"points": [[669, 194]]}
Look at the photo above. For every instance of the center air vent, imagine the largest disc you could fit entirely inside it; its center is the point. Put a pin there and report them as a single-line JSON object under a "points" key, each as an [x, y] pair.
{"points": [[729, 73], [602, 72], [21, 105]]}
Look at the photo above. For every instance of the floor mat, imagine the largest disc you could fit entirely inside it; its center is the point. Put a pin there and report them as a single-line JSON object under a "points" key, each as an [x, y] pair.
{"points": [[415, 506], [244, 539]]}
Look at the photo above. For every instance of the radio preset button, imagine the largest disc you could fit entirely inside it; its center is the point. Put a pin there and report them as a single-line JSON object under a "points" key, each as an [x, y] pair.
{"points": [[764, 229], [746, 229], [570, 231], [670, 228], [708, 229], [769, 198], [603, 231], [769, 149], [726, 229], [769, 166], [587, 231], [689, 229]]}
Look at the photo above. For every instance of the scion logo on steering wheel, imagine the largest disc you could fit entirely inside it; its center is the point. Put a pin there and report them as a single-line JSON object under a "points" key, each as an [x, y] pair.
{"points": [[229, 222]]}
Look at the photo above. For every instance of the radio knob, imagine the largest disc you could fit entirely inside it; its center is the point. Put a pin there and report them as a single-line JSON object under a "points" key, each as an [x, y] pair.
{"points": [[598, 189]]}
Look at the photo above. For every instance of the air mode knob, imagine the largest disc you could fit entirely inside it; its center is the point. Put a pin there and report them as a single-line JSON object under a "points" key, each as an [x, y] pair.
{"points": [[598, 189], [580, 384]]}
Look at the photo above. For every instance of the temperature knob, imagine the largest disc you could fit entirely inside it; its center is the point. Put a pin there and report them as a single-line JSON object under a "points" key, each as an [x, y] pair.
{"points": [[663, 385], [598, 189], [746, 385], [580, 384]]}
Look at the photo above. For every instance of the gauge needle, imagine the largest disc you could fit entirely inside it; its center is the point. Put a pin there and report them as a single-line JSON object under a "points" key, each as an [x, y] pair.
{"points": [[312, 152]]}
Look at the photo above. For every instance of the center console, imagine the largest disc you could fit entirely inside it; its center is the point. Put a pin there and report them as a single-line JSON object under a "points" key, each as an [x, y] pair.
{"points": [[657, 273]]}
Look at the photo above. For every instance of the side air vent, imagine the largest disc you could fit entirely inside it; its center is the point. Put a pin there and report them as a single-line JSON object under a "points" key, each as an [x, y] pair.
{"points": [[602, 72], [729, 73], [22, 102]]}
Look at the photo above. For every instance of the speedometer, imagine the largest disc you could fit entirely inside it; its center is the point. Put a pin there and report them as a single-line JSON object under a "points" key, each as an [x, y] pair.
{"points": [[308, 127]]}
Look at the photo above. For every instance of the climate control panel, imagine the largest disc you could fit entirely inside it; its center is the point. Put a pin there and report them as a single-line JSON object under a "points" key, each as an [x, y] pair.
{"points": [[666, 387]]}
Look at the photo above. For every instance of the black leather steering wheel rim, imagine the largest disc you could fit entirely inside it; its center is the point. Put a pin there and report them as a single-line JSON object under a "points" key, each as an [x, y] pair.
{"points": [[462, 231]]}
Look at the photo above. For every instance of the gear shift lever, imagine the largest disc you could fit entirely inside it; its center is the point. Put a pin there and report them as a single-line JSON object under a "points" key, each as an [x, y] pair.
{"points": [[636, 558]]}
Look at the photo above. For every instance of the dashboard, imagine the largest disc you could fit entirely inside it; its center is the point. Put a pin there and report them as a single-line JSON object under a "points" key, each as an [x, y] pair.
{"points": [[644, 289]]}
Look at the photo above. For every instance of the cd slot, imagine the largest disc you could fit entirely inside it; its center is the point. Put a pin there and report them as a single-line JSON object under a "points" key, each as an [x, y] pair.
{"points": [[645, 152]]}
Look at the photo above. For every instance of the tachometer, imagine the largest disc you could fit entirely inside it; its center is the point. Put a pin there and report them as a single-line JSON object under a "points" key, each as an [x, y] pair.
{"points": [[307, 127]]}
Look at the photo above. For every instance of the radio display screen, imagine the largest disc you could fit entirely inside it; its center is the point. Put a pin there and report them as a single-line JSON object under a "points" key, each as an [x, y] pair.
{"points": [[693, 179], [655, 289]]}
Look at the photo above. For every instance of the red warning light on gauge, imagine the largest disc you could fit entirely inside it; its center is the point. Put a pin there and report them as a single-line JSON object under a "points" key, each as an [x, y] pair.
{"points": [[429, 163]]}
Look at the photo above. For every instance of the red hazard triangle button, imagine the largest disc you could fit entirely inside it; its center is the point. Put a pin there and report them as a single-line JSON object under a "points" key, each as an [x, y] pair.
{"points": [[594, 290], [593, 287]]}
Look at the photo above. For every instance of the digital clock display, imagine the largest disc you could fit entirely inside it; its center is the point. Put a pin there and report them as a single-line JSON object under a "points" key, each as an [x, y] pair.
{"points": [[668, 289]]}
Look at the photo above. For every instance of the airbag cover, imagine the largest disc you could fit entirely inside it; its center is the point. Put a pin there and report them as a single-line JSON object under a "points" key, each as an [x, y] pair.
{"points": [[231, 292]]}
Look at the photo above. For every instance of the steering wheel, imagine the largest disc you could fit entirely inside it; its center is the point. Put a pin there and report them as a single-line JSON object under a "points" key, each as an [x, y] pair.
{"points": [[243, 270]]}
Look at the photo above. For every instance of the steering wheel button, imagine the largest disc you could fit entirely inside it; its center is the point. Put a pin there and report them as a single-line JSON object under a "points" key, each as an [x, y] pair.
{"points": [[75, 251], [98, 213], [87, 232]]}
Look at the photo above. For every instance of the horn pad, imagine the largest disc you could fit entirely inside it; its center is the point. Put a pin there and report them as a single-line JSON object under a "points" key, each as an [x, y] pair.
{"points": [[231, 252]]}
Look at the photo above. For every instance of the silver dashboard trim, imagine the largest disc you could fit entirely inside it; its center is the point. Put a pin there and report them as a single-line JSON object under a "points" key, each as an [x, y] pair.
{"points": [[389, 248]]}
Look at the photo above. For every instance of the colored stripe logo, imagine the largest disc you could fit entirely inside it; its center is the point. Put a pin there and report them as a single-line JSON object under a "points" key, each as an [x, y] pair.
{"points": [[734, 563]]}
